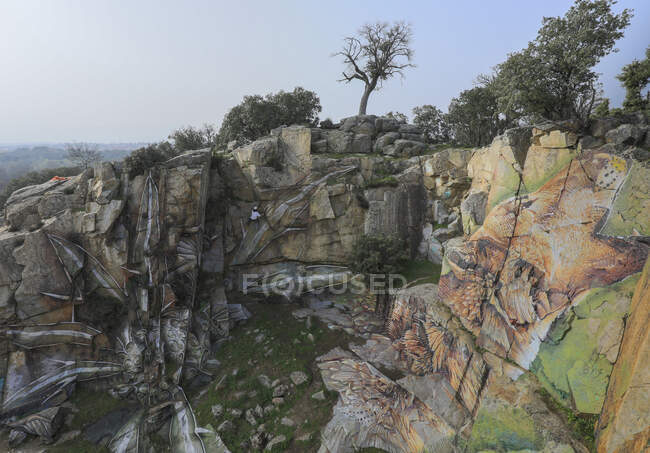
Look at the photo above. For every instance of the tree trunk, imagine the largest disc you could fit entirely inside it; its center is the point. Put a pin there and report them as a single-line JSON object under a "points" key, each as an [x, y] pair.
{"points": [[364, 100], [366, 94]]}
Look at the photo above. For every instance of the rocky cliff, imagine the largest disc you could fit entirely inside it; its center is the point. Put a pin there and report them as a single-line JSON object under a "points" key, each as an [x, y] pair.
{"points": [[119, 282]]}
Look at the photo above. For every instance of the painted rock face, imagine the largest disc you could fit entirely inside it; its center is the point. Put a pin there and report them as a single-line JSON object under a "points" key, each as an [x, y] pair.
{"points": [[536, 254]]}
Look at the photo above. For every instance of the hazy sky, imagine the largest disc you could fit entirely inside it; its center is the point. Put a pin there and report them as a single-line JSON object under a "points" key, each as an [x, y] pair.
{"points": [[114, 71]]}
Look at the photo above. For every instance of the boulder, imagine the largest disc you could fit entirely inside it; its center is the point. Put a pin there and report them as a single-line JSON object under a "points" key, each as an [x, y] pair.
{"points": [[339, 142], [472, 211], [23, 214], [298, 377], [361, 143], [601, 126], [406, 148], [625, 135], [384, 124], [384, 140], [557, 139], [320, 207]]}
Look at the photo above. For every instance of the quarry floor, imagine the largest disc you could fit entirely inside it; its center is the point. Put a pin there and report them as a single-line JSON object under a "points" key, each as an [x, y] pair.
{"points": [[268, 347]]}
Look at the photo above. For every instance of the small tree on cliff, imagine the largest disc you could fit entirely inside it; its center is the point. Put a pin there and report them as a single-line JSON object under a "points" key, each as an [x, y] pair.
{"points": [[190, 138], [635, 77], [376, 256], [432, 122], [378, 52], [83, 154], [397, 116], [473, 117]]}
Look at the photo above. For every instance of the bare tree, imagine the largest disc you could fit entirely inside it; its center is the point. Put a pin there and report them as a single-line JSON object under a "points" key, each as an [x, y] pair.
{"points": [[378, 52], [83, 154]]}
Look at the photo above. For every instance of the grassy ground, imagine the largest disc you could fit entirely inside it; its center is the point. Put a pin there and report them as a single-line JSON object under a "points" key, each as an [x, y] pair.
{"points": [[418, 272], [285, 347], [272, 343], [251, 358], [89, 406]]}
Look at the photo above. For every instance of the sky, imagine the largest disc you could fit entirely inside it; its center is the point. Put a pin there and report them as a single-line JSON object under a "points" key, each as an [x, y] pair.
{"points": [[133, 71]]}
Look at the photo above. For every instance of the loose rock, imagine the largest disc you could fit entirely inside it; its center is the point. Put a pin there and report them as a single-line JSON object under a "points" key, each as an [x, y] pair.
{"points": [[275, 441], [217, 410], [298, 377]]}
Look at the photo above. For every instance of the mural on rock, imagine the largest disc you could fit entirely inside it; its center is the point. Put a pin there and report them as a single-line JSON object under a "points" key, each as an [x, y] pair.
{"points": [[120, 282], [115, 304]]}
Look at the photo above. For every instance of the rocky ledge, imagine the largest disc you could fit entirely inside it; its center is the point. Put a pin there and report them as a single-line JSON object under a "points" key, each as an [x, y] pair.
{"points": [[120, 283]]}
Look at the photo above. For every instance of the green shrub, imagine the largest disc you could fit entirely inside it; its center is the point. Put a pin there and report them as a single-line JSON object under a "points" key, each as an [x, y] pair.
{"points": [[383, 181], [146, 157]]}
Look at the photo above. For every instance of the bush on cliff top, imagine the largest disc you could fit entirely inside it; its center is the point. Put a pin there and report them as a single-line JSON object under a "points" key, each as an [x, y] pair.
{"points": [[256, 115]]}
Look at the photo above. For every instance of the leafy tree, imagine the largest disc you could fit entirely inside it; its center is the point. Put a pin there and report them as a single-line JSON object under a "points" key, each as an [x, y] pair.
{"points": [[635, 77], [379, 255], [378, 52], [297, 107], [474, 118], [189, 138], [432, 122], [83, 155], [256, 115], [142, 159], [602, 109], [398, 116], [35, 177], [327, 123], [553, 77]]}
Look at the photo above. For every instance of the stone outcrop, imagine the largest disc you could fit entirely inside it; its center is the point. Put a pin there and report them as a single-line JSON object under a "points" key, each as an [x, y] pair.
{"points": [[536, 299], [624, 423], [124, 279], [314, 204], [367, 134], [99, 283]]}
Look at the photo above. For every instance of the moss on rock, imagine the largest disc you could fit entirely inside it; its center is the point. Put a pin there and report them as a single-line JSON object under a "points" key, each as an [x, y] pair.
{"points": [[575, 362], [503, 428]]}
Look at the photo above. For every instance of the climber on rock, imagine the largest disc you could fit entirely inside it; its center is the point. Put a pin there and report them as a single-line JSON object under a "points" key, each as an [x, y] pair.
{"points": [[255, 215]]}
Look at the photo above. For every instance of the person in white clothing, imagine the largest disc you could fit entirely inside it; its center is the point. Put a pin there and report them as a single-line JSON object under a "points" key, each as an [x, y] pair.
{"points": [[254, 215]]}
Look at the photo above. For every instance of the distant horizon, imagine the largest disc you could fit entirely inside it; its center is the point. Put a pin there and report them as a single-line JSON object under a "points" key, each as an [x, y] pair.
{"points": [[102, 146], [116, 72]]}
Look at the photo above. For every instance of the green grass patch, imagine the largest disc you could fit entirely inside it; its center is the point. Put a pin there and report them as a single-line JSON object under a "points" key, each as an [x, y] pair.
{"points": [[251, 359], [92, 405], [383, 181], [582, 425], [433, 149], [422, 271]]}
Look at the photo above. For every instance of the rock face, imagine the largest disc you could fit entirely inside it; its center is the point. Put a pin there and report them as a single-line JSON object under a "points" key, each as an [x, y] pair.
{"points": [[536, 300], [542, 238], [314, 204], [546, 277], [374, 411], [624, 423], [99, 282]]}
